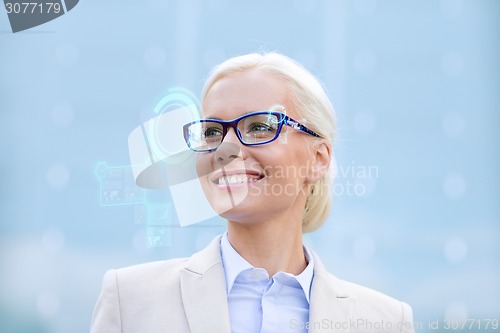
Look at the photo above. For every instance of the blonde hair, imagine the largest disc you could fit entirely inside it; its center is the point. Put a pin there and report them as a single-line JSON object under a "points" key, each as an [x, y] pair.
{"points": [[311, 103]]}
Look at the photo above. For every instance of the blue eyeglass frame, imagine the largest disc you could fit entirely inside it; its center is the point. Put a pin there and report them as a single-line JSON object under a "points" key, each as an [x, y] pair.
{"points": [[226, 124]]}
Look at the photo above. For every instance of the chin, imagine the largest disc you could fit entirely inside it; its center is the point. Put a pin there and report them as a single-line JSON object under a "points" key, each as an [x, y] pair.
{"points": [[228, 202], [240, 214]]}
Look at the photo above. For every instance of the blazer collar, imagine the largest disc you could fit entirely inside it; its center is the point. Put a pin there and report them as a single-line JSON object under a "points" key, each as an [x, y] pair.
{"points": [[203, 288], [204, 295], [331, 305]]}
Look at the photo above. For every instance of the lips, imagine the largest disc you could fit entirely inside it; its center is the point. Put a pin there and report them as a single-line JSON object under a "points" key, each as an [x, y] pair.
{"points": [[236, 177]]}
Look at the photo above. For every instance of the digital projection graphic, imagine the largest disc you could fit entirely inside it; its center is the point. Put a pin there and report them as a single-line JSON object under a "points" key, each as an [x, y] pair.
{"points": [[24, 14], [117, 187]]}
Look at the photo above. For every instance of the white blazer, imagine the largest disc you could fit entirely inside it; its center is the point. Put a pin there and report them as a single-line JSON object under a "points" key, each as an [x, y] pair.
{"points": [[189, 295]]}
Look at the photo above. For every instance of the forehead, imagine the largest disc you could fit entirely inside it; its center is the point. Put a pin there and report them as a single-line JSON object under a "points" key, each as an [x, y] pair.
{"points": [[240, 93]]}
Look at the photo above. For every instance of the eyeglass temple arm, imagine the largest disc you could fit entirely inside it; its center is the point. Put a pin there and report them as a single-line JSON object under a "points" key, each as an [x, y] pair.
{"points": [[299, 127]]}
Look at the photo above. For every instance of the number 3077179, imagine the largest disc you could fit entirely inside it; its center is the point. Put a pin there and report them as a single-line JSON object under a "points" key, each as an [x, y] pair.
{"points": [[33, 7]]}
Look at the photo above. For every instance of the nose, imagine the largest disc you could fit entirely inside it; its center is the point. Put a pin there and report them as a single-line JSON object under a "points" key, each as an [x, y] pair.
{"points": [[231, 136], [226, 153], [229, 149]]}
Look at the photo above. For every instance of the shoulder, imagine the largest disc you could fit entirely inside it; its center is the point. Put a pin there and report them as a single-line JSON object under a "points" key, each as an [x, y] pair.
{"points": [[145, 287], [366, 306], [153, 268], [345, 289], [361, 293], [141, 298], [167, 271], [148, 274]]}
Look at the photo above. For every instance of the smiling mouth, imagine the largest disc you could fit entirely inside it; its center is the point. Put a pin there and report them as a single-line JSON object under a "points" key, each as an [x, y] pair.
{"points": [[238, 179]]}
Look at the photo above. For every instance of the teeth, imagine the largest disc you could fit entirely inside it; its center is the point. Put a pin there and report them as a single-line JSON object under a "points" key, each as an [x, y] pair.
{"points": [[238, 179]]}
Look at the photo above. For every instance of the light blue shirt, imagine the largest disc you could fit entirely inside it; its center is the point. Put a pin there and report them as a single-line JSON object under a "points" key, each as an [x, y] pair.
{"points": [[259, 304]]}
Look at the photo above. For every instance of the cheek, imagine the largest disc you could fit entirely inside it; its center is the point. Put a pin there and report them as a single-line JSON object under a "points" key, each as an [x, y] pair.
{"points": [[203, 166], [291, 167]]}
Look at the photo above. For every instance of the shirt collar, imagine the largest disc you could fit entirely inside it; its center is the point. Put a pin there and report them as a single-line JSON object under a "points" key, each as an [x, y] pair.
{"points": [[234, 264], [305, 278]]}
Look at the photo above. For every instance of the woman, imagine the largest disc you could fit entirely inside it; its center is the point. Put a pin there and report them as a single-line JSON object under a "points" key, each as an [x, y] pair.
{"points": [[264, 148]]}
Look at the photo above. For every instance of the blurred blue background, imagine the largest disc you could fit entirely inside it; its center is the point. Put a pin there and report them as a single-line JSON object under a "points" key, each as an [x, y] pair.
{"points": [[415, 85]]}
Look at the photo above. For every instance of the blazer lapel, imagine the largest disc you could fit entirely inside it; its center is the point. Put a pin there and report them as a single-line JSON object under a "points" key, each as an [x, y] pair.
{"points": [[203, 288], [331, 307]]}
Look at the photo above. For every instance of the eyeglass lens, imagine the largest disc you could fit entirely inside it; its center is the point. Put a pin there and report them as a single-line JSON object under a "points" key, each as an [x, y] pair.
{"points": [[253, 129]]}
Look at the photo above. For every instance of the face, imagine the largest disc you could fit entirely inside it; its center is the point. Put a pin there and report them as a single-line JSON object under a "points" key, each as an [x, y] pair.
{"points": [[253, 184]]}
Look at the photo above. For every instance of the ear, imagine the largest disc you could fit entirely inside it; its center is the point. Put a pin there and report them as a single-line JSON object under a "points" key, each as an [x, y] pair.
{"points": [[322, 151]]}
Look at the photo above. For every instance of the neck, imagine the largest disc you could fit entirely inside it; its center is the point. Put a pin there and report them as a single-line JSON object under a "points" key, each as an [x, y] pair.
{"points": [[272, 245]]}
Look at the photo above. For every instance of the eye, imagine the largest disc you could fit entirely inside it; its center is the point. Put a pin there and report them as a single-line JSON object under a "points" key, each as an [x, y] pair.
{"points": [[210, 132], [261, 127]]}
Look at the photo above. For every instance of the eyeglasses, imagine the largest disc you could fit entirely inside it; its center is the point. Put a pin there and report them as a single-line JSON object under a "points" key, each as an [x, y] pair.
{"points": [[252, 129]]}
